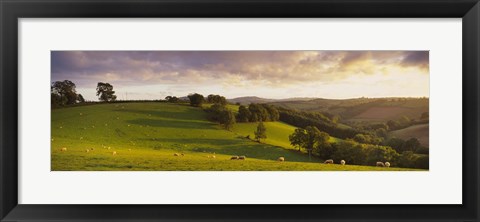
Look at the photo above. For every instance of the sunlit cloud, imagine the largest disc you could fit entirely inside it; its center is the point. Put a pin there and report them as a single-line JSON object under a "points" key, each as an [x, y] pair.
{"points": [[271, 74]]}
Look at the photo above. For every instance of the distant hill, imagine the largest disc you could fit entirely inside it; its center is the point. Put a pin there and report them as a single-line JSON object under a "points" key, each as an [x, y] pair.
{"points": [[254, 99], [362, 109], [421, 132], [250, 99]]}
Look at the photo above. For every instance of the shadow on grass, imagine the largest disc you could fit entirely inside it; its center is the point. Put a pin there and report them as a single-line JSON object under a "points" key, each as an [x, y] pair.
{"points": [[238, 147], [172, 123], [186, 113]]}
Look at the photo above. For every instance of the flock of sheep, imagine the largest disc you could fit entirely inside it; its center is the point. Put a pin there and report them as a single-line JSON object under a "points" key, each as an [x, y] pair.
{"points": [[280, 159], [64, 149], [343, 162]]}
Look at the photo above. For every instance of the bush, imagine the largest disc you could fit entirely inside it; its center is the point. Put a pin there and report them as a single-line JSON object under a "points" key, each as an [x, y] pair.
{"points": [[422, 162]]}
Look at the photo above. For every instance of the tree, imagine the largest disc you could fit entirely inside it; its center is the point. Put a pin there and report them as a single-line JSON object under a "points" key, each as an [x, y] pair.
{"points": [[196, 99], [361, 138], [105, 92], [316, 139], [411, 144], [322, 147], [216, 99], [311, 138], [298, 138], [261, 132], [393, 124], [172, 99], [243, 114], [407, 159], [80, 98], [63, 93], [227, 119], [396, 144], [259, 112], [381, 132]]}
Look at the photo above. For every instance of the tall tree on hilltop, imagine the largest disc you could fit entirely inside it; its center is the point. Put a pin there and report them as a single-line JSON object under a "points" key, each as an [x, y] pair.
{"points": [[105, 92], [63, 93], [196, 99]]}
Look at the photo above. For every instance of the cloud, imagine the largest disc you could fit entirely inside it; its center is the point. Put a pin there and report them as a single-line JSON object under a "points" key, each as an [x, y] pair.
{"points": [[236, 68]]}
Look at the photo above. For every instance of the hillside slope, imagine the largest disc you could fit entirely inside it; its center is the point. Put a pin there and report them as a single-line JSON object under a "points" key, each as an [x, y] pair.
{"points": [[421, 132], [145, 136]]}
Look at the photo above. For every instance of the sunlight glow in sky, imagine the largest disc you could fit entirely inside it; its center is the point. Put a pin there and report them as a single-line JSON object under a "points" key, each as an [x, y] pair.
{"points": [[267, 74]]}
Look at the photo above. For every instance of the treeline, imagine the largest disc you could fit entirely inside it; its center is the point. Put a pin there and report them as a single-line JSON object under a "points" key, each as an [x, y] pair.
{"points": [[368, 154], [64, 93], [303, 119], [219, 112], [315, 142], [257, 113]]}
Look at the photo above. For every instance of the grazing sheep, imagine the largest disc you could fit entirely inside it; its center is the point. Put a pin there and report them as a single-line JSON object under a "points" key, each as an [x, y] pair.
{"points": [[63, 149], [91, 148], [329, 161], [114, 153], [234, 158], [87, 150], [242, 157], [213, 157], [108, 148], [175, 154], [81, 114], [387, 164], [342, 162], [380, 164], [181, 154], [281, 159]]}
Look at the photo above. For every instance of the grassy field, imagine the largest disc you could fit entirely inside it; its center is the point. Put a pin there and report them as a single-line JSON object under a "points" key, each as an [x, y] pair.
{"points": [[145, 136], [277, 133]]}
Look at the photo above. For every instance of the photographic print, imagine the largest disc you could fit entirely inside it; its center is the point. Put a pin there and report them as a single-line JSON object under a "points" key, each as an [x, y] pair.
{"points": [[308, 110]]}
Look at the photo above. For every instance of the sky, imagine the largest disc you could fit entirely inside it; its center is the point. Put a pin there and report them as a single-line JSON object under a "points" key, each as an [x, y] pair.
{"points": [[266, 74]]}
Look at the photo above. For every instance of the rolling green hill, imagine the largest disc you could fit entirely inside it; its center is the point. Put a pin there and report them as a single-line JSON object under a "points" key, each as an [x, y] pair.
{"points": [[363, 109], [145, 136], [277, 133]]}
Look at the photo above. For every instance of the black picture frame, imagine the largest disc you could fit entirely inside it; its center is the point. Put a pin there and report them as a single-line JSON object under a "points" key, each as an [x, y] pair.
{"points": [[12, 10]]}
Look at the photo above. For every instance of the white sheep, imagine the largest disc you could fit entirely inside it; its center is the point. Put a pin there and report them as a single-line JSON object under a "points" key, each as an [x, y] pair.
{"points": [[281, 159], [234, 158], [242, 157], [114, 153], [87, 150], [63, 149], [380, 164], [387, 164], [175, 154], [329, 161], [342, 162]]}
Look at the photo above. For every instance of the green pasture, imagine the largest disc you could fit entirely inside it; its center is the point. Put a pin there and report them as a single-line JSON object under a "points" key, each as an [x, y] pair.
{"points": [[145, 137]]}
